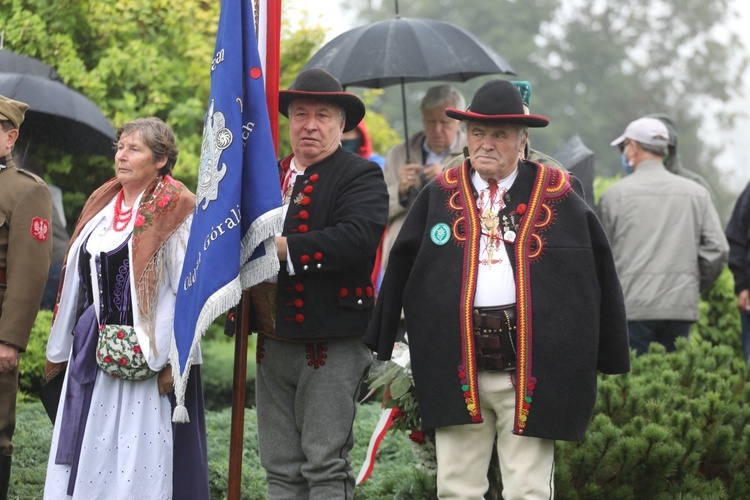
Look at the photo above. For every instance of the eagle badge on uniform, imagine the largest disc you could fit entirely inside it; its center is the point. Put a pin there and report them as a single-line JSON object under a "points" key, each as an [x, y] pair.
{"points": [[39, 229]]}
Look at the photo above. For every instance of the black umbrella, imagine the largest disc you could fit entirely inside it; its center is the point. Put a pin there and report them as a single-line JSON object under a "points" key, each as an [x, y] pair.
{"points": [[402, 50], [58, 116], [10, 62]]}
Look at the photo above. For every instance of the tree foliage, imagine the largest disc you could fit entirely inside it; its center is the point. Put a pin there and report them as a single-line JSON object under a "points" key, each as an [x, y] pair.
{"points": [[610, 62], [133, 59], [595, 65]]}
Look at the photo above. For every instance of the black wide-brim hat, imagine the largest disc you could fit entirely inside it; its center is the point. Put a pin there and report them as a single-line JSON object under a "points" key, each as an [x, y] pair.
{"points": [[319, 85], [497, 101]]}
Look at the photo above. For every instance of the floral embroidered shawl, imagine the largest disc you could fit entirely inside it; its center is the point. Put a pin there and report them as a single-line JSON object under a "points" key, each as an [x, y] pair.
{"points": [[164, 205]]}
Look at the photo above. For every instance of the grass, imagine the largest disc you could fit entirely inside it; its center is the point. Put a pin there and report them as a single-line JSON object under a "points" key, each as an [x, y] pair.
{"points": [[394, 476]]}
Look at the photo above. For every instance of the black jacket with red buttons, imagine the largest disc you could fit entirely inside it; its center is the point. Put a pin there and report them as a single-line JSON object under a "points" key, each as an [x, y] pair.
{"points": [[336, 217]]}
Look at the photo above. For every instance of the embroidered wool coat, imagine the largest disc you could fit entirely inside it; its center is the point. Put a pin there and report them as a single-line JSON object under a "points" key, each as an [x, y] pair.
{"points": [[336, 217], [570, 309]]}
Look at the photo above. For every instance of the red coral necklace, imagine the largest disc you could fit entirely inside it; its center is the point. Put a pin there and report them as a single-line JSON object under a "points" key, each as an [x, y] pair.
{"points": [[122, 217]]}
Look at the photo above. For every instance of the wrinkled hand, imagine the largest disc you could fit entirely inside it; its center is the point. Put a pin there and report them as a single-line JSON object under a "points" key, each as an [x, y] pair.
{"points": [[743, 301], [408, 177], [8, 358], [432, 171], [165, 381]]}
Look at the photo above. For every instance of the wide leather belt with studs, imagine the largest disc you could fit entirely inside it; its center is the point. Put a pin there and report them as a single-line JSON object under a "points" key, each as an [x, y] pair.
{"points": [[495, 337]]}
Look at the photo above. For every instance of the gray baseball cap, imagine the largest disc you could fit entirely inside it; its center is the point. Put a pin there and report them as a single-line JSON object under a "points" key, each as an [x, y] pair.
{"points": [[649, 131]]}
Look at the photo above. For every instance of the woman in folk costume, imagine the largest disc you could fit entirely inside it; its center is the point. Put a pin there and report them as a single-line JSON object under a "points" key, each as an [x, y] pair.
{"points": [[113, 327]]}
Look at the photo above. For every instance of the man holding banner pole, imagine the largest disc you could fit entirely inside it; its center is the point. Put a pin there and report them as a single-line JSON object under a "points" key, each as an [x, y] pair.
{"points": [[310, 356]]}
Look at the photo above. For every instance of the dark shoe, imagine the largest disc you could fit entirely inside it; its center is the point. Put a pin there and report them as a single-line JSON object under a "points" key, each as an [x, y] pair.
{"points": [[5, 461]]}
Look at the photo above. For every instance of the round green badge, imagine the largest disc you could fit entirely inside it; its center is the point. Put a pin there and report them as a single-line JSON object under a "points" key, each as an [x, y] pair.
{"points": [[440, 233]]}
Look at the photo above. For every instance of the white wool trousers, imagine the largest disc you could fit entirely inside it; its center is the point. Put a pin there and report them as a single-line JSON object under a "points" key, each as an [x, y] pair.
{"points": [[527, 464]]}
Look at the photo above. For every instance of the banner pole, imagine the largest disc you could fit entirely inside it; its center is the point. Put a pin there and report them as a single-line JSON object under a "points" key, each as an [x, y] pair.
{"points": [[236, 441]]}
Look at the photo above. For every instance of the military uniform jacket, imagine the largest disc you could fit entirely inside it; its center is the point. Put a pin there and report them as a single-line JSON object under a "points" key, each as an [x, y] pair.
{"points": [[25, 251], [570, 309], [334, 223]]}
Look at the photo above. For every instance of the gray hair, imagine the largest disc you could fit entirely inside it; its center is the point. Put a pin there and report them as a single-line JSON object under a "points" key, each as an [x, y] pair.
{"points": [[443, 94], [522, 131], [654, 150], [157, 136]]}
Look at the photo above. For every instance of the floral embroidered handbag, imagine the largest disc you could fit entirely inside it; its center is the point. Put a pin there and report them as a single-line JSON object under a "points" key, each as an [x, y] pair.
{"points": [[119, 354]]}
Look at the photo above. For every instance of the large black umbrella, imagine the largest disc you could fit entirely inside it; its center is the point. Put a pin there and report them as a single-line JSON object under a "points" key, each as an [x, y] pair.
{"points": [[10, 62], [58, 116], [402, 50]]}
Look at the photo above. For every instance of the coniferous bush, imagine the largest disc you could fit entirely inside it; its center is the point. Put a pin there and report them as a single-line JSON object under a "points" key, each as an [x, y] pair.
{"points": [[32, 362], [719, 321], [677, 425]]}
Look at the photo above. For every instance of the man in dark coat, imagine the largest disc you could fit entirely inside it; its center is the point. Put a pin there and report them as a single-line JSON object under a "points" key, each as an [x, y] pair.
{"points": [[309, 368], [512, 304], [738, 236]]}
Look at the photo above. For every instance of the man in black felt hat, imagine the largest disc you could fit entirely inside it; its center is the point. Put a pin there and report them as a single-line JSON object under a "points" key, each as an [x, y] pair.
{"points": [[512, 304], [310, 366]]}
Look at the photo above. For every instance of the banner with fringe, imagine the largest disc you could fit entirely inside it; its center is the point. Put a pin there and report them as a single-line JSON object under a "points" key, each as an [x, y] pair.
{"points": [[238, 199]]}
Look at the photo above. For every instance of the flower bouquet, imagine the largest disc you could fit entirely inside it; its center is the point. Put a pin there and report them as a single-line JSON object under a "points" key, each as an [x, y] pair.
{"points": [[395, 377]]}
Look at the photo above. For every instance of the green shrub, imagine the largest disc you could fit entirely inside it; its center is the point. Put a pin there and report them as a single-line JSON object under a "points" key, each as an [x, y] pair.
{"points": [[31, 365], [719, 321], [218, 371], [215, 331], [676, 426]]}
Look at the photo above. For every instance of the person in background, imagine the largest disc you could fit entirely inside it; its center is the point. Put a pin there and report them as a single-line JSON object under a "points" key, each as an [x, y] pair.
{"points": [[25, 251], [60, 241], [441, 141], [501, 350], [738, 235], [311, 364], [358, 141], [529, 153], [666, 237], [113, 432], [60, 237]]}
